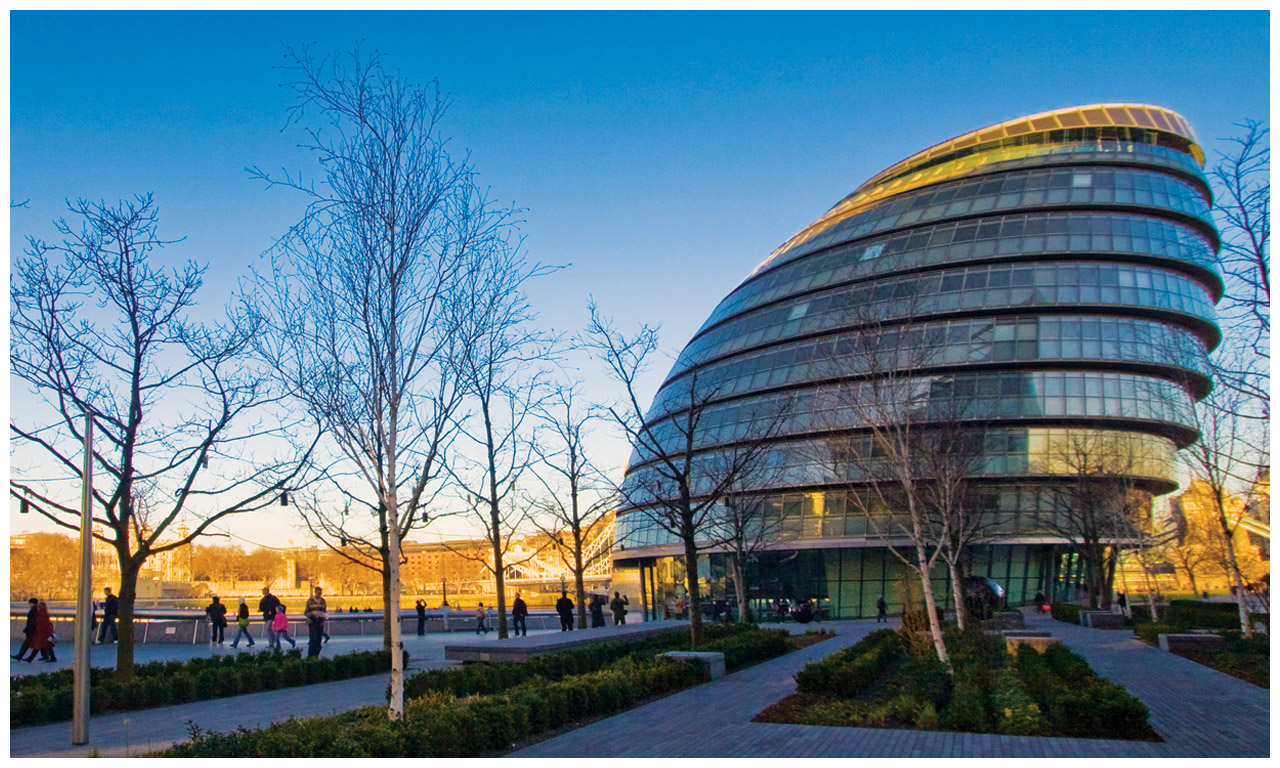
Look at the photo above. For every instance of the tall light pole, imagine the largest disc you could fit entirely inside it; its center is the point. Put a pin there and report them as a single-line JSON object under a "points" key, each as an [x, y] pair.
{"points": [[84, 632]]}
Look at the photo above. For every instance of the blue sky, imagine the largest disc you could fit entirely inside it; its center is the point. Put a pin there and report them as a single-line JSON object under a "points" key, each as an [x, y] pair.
{"points": [[663, 155]]}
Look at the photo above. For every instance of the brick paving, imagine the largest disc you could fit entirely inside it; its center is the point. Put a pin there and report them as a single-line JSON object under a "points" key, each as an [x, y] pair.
{"points": [[1199, 712]]}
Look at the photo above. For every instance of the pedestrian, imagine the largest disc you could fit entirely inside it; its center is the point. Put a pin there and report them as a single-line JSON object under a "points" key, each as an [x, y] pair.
{"points": [[619, 605], [242, 621], [422, 617], [882, 610], [110, 609], [597, 611], [1040, 602], [481, 613], [42, 637], [1122, 600], [564, 607], [280, 627], [316, 604], [267, 607], [666, 611], [217, 613], [519, 614], [28, 630]]}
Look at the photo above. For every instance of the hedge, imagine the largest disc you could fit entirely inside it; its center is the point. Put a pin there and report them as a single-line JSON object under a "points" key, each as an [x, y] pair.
{"points": [[483, 679], [47, 697], [849, 671], [1066, 612], [447, 714]]}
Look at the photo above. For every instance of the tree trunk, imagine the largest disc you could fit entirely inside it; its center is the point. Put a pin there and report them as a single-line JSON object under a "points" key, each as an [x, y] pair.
{"points": [[740, 585], [126, 598], [1191, 576], [392, 614], [1238, 579], [386, 600], [957, 592], [498, 576], [579, 583], [691, 584], [931, 607]]}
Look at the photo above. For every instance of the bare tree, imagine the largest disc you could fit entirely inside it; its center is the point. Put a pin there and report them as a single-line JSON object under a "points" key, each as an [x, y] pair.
{"points": [[743, 528], [183, 426], [569, 479], [1242, 186], [498, 358], [364, 298], [675, 481]]}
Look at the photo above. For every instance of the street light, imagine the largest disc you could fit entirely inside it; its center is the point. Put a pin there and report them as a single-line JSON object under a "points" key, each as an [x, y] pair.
{"points": [[80, 670]]}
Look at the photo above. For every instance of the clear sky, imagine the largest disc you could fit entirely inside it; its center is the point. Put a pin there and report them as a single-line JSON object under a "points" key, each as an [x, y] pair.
{"points": [[662, 155]]}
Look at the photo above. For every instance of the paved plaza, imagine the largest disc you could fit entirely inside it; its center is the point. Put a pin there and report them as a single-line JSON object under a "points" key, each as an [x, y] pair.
{"points": [[1198, 711]]}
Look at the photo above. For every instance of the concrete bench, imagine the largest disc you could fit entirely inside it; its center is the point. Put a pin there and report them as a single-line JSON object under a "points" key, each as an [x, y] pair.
{"points": [[1026, 633], [1102, 620], [520, 649], [1040, 642], [712, 663], [1184, 643]]}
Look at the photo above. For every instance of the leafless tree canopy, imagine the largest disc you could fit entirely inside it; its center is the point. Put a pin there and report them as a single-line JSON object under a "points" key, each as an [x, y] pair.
{"points": [[100, 326], [366, 294]]}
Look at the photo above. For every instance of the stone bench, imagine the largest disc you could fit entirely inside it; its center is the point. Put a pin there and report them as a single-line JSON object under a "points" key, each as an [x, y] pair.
{"points": [[712, 663], [1005, 620], [1102, 620], [1184, 643], [1039, 642]]}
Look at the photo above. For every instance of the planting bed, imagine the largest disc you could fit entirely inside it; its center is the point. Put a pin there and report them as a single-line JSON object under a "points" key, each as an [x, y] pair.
{"points": [[878, 684]]}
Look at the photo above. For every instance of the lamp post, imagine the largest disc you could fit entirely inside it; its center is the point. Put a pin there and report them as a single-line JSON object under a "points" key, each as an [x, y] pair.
{"points": [[84, 632]]}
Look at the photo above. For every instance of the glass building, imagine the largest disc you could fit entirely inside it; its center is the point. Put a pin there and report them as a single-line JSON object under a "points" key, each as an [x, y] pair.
{"points": [[1050, 279]]}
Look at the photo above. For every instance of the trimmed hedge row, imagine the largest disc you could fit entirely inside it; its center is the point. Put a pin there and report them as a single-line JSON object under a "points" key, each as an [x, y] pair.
{"points": [[484, 679], [1077, 701], [49, 699], [849, 671], [1066, 612], [1199, 614]]}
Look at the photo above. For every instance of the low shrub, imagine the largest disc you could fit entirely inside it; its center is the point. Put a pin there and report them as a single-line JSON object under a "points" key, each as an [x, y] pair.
{"points": [[968, 709], [849, 671], [1066, 612], [46, 697], [437, 724], [1016, 713], [1197, 614], [1150, 631]]}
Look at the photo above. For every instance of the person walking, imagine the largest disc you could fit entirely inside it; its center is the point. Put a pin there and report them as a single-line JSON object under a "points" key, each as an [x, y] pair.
{"points": [[280, 627], [317, 612], [1040, 601], [110, 609], [217, 613], [564, 607], [316, 604], [618, 605], [882, 610], [421, 608], [28, 630], [42, 636], [481, 613], [519, 614], [597, 611], [267, 607], [242, 621]]}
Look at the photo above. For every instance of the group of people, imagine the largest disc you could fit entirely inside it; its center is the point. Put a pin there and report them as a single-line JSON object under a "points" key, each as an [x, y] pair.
{"points": [[564, 609], [39, 637], [275, 621]]}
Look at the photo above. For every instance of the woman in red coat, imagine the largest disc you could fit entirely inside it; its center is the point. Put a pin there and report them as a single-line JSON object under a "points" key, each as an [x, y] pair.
{"points": [[42, 637]]}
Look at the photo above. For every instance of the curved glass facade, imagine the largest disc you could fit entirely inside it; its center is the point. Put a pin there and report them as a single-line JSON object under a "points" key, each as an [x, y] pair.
{"points": [[1040, 282]]}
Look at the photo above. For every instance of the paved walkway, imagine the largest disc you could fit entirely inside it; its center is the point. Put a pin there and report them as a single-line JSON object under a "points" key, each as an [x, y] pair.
{"points": [[1198, 711], [134, 733]]}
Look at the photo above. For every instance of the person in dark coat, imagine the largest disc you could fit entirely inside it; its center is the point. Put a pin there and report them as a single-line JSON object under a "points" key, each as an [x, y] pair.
{"points": [[110, 609], [882, 610], [27, 630], [267, 607], [42, 635], [217, 613], [564, 607], [422, 617], [519, 615], [618, 605], [242, 623], [597, 611]]}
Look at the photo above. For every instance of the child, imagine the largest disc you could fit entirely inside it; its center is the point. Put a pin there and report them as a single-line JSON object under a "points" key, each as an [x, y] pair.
{"points": [[280, 625]]}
